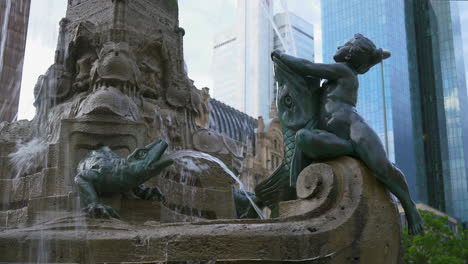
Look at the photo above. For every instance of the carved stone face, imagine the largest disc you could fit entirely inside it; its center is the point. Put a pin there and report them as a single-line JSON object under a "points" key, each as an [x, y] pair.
{"points": [[116, 67], [114, 81]]}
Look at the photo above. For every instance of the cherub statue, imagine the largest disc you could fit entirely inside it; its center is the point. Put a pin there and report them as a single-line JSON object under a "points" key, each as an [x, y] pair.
{"points": [[340, 129]]}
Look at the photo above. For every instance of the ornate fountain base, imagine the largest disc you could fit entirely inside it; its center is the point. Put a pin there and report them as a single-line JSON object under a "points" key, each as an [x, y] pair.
{"points": [[344, 215]]}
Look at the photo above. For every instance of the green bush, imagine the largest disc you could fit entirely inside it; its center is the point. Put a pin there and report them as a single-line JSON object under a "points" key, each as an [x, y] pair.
{"points": [[438, 245]]}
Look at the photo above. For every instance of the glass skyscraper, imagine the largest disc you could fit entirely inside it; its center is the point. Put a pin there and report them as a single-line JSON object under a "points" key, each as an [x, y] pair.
{"points": [[415, 100], [242, 67], [296, 33], [439, 104], [384, 98], [296, 37], [227, 70], [241, 59]]}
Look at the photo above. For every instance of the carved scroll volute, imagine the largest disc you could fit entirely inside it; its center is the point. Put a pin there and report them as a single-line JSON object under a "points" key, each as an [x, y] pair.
{"points": [[316, 188], [314, 180]]}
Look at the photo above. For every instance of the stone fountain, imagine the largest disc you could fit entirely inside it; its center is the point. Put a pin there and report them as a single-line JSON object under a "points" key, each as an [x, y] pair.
{"points": [[118, 83]]}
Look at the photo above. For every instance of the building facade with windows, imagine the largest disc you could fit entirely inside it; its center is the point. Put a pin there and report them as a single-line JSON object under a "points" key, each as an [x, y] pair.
{"points": [[227, 70], [242, 67], [384, 98], [295, 36], [241, 59], [296, 33], [414, 100], [439, 104]]}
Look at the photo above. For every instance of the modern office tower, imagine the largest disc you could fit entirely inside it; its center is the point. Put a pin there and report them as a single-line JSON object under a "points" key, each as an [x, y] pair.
{"points": [[420, 118], [228, 73], [439, 97], [255, 39], [296, 37], [241, 59], [14, 16], [384, 98], [296, 33], [242, 67]]}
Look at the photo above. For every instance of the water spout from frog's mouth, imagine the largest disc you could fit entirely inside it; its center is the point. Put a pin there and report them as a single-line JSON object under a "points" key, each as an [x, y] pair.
{"points": [[196, 154]]}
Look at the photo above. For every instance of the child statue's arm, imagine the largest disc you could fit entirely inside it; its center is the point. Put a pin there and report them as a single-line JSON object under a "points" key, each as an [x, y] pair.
{"points": [[304, 67]]}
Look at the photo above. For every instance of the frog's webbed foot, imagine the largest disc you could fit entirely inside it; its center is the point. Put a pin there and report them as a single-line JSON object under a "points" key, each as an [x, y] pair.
{"points": [[96, 210], [149, 193]]}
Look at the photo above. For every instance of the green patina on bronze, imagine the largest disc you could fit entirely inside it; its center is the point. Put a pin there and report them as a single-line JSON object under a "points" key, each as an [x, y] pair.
{"points": [[298, 108], [321, 122], [102, 172]]}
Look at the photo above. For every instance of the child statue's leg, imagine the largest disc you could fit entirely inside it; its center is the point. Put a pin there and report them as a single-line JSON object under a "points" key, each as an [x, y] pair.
{"points": [[369, 148], [320, 144]]}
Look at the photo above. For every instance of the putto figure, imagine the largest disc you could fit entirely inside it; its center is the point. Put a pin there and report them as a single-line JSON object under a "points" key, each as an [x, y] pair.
{"points": [[340, 129]]}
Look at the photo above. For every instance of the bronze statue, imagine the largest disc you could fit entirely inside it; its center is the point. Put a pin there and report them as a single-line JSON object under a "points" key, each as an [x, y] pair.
{"points": [[102, 171], [298, 108], [340, 129]]}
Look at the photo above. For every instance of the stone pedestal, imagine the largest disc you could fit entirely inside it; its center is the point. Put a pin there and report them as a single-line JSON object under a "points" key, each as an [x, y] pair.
{"points": [[369, 231], [348, 218]]}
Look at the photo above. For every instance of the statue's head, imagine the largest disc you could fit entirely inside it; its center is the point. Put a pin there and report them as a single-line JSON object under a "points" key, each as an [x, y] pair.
{"points": [[361, 53], [145, 158], [297, 97]]}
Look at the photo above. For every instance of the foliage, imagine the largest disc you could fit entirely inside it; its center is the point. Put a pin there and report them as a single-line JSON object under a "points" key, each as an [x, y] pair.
{"points": [[438, 245]]}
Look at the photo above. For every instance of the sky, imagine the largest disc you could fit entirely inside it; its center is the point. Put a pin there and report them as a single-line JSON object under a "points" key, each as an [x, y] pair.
{"points": [[40, 48], [200, 21]]}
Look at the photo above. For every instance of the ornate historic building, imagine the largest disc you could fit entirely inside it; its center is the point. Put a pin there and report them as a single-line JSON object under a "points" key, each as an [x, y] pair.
{"points": [[267, 151], [259, 142]]}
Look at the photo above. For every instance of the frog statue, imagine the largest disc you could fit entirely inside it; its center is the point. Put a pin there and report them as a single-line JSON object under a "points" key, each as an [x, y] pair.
{"points": [[102, 172]]}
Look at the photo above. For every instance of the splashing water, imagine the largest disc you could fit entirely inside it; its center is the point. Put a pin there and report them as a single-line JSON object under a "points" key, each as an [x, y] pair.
{"points": [[28, 157], [196, 154]]}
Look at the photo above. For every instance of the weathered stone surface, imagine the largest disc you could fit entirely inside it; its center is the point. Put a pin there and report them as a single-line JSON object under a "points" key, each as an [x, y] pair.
{"points": [[35, 185], [17, 218], [359, 225], [373, 229], [13, 218], [3, 219], [199, 202], [6, 168], [10, 133], [197, 188], [313, 179]]}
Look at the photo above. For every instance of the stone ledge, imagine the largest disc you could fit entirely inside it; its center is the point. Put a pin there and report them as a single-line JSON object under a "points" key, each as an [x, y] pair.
{"points": [[220, 201], [41, 184]]}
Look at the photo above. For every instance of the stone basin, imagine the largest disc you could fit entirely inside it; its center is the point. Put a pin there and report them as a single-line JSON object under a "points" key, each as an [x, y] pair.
{"points": [[351, 220]]}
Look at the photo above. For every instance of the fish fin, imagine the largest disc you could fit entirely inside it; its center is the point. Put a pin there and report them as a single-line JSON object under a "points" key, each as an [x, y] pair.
{"points": [[298, 163], [275, 189]]}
